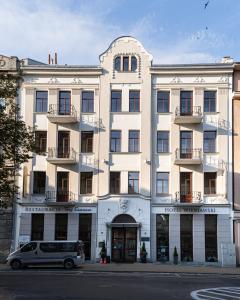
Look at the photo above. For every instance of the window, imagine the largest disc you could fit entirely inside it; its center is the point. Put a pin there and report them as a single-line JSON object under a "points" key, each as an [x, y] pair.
{"points": [[117, 63], [37, 227], [163, 141], [64, 103], [209, 142], [186, 237], [41, 142], [87, 102], [134, 101], [210, 180], [41, 101], [86, 183], [133, 141], [125, 63], [115, 143], [162, 224], [186, 103], [115, 182], [87, 141], [58, 247], [162, 186], [209, 101], [116, 101], [133, 63], [39, 180], [29, 247], [61, 224], [133, 182], [85, 228], [163, 101], [211, 253]]}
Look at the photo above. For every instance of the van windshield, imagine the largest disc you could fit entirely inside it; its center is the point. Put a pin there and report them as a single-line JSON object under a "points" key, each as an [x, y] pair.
{"points": [[29, 247]]}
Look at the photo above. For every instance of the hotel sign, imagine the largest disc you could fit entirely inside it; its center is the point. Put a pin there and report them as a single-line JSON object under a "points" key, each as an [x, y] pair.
{"points": [[191, 210]]}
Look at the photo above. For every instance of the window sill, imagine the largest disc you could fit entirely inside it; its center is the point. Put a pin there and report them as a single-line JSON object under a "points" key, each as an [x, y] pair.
{"points": [[125, 152], [206, 153], [211, 113], [87, 195], [125, 71], [88, 113], [210, 195], [87, 153], [126, 112], [40, 112], [164, 153], [164, 113], [163, 195]]}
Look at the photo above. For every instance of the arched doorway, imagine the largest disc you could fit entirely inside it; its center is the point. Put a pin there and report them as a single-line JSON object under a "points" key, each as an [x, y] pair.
{"points": [[124, 238]]}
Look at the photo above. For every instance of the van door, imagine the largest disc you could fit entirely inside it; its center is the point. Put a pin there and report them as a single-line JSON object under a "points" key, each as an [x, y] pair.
{"points": [[29, 253]]}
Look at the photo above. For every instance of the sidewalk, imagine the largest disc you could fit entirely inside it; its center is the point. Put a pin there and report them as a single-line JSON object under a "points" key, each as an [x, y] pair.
{"points": [[159, 268], [147, 268]]}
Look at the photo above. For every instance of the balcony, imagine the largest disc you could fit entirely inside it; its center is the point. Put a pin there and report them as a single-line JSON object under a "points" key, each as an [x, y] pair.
{"points": [[61, 198], [183, 198], [56, 156], [62, 114], [88, 161], [185, 115], [188, 156]]}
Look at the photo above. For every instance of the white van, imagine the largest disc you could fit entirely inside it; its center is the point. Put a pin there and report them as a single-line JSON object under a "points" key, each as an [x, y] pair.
{"points": [[67, 253]]}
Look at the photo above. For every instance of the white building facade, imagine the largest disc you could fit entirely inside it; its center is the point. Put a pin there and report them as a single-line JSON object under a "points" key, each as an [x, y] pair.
{"points": [[130, 152]]}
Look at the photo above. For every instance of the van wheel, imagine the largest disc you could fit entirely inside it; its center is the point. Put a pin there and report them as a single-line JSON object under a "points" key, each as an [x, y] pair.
{"points": [[68, 264], [16, 264]]}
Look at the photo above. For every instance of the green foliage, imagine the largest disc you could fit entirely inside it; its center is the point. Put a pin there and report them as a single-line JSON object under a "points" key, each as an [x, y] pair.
{"points": [[16, 140]]}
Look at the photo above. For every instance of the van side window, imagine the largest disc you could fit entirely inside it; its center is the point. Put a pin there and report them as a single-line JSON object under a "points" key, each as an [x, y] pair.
{"points": [[29, 247], [57, 247]]}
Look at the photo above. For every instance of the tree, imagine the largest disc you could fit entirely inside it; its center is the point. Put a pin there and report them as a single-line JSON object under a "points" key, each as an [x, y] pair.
{"points": [[16, 139]]}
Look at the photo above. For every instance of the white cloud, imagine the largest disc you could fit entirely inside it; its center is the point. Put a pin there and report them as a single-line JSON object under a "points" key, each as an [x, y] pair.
{"points": [[79, 35]]}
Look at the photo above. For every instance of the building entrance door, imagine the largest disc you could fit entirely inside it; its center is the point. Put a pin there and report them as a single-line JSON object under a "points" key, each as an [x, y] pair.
{"points": [[124, 244]]}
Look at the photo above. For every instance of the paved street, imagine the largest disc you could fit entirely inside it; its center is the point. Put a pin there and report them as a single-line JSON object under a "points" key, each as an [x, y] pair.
{"points": [[59, 284]]}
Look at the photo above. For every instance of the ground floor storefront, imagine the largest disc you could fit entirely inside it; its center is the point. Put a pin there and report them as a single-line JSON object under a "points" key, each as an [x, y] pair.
{"points": [[200, 235]]}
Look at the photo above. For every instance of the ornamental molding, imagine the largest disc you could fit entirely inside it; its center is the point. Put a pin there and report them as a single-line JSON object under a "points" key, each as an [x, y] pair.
{"points": [[176, 79], [223, 79], [53, 80], [199, 79], [77, 80], [124, 205]]}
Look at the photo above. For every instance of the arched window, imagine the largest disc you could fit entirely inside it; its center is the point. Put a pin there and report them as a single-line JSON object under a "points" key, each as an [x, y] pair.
{"points": [[117, 63], [133, 63], [124, 218]]}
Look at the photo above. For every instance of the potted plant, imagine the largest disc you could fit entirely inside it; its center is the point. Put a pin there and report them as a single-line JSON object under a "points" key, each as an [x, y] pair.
{"points": [[103, 253], [175, 256], [143, 253]]}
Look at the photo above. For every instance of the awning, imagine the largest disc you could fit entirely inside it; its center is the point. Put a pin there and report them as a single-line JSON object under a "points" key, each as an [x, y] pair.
{"points": [[122, 225]]}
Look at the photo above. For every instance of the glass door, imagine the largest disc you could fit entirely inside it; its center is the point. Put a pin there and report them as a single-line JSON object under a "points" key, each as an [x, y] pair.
{"points": [[64, 103], [186, 187], [186, 108], [62, 187], [186, 144], [63, 144]]}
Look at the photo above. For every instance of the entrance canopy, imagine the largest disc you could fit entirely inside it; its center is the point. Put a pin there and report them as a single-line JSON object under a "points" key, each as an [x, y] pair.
{"points": [[124, 220]]}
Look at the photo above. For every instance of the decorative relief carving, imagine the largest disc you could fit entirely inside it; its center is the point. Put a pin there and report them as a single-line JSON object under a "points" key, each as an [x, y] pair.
{"points": [[8, 62], [124, 205], [223, 79], [77, 80], [176, 79], [53, 80], [199, 79]]}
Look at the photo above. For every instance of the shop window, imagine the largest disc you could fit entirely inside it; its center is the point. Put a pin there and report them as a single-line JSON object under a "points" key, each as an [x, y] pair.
{"points": [[162, 224], [61, 225], [186, 237], [211, 253], [37, 228], [85, 228]]}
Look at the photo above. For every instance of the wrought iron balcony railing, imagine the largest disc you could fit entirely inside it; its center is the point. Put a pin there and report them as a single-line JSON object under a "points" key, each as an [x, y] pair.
{"points": [[188, 153], [194, 111], [62, 196], [186, 197], [62, 110], [58, 153]]}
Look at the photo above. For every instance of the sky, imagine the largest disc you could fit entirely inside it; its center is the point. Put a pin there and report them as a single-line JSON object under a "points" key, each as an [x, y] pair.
{"points": [[173, 31]]}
